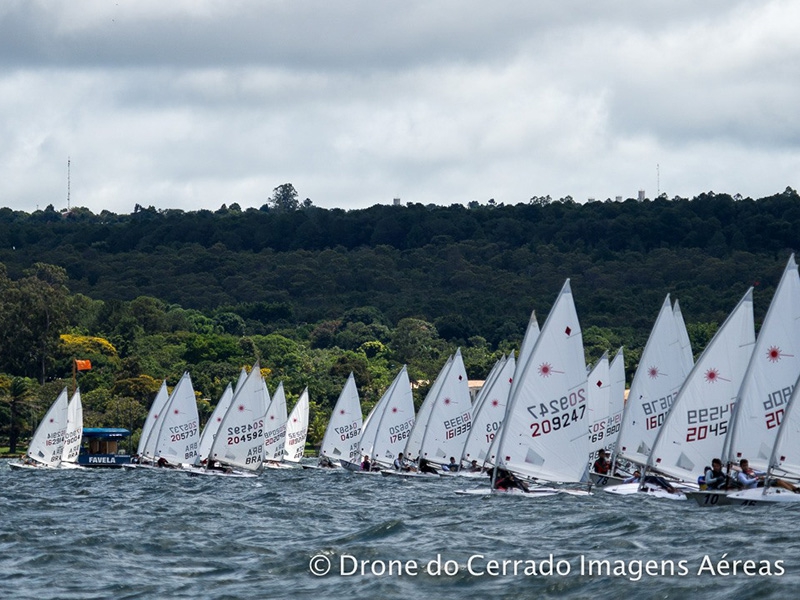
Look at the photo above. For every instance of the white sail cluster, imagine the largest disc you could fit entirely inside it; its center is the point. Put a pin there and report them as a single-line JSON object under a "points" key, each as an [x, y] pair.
{"points": [[734, 404], [542, 416]]}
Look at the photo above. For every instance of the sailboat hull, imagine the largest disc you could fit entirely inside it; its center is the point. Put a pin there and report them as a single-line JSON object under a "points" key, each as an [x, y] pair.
{"points": [[533, 493], [751, 497], [632, 489]]}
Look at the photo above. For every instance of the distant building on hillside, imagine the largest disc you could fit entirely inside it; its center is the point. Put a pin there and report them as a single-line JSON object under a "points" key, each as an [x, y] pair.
{"points": [[475, 386]]}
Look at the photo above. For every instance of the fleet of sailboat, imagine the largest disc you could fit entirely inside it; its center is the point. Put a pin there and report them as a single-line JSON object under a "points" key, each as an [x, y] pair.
{"points": [[47, 444], [73, 434], [538, 420], [389, 423], [544, 434], [297, 430], [663, 367], [695, 427], [344, 427]]}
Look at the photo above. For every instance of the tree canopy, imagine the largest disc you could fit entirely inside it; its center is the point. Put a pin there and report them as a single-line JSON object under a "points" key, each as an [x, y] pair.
{"points": [[315, 294]]}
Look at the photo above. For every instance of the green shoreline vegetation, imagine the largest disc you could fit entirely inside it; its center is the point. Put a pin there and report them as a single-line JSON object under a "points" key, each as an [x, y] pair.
{"points": [[314, 293]]}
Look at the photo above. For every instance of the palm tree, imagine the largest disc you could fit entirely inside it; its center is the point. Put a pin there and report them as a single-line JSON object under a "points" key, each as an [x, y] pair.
{"points": [[19, 393]]}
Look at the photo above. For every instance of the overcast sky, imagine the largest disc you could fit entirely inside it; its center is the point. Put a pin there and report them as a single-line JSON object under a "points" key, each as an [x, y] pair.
{"points": [[197, 103]]}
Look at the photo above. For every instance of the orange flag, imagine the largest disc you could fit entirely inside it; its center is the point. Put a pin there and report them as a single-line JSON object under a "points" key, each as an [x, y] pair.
{"points": [[83, 365]]}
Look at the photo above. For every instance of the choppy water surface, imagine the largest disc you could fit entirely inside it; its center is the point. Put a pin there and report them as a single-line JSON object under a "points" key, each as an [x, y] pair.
{"points": [[151, 534]]}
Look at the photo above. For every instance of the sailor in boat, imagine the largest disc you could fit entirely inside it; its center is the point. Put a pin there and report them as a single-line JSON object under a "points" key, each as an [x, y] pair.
{"points": [[401, 464], [507, 481], [325, 462], [601, 466], [365, 464], [635, 478], [714, 477], [215, 465], [164, 463], [652, 480], [748, 478], [474, 467], [426, 467], [452, 466]]}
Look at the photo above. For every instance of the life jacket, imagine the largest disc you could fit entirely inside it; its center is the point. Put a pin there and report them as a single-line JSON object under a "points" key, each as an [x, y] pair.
{"points": [[701, 480]]}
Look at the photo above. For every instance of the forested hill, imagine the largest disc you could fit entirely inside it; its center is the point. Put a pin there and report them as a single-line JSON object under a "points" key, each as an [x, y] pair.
{"points": [[314, 294], [475, 270]]}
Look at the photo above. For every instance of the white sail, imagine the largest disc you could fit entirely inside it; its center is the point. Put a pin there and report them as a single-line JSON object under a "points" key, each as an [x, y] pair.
{"points": [[451, 416], [544, 434], [213, 423], [387, 428], [598, 405], [240, 439], [417, 434], [785, 456], [275, 426], [147, 441], [685, 344], [74, 431], [240, 381], [344, 428], [529, 339], [660, 374], [47, 443], [770, 376], [490, 409], [179, 432], [695, 428], [617, 400], [525, 349], [297, 430]]}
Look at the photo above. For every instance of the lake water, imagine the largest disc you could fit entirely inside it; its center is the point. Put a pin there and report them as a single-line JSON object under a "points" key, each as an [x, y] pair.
{"points": [[151, 534]]}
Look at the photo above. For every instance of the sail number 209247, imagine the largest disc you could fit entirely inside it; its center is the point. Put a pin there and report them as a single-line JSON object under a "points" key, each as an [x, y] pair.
{"points": [[557, 414]]}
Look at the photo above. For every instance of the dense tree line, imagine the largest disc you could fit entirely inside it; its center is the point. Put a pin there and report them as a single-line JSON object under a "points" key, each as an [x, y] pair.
{"points": [[316, 293]]}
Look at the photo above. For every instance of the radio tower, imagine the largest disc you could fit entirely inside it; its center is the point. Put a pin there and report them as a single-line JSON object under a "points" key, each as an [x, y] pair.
{"points": [[68, 184]]}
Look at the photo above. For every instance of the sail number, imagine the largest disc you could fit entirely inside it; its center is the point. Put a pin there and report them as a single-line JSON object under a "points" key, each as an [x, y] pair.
{"points": [[774, 400], [54, 439], [296, 437], [241, 434], [557, 422], [401, 431], [457, 426], [565, 412], [774, 418], [244, 438], [347, 432], [713, 416], [182, 435], [255, 425], [275, 435], [656, 411], [604, 428], [663, 404], [491, 429]]}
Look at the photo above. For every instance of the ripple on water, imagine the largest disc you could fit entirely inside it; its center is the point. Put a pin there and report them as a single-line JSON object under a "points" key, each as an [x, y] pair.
{"points": [[150, 534]]}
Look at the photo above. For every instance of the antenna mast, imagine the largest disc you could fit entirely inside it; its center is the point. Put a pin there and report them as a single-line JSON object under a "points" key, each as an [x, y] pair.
{"points": [[658, 179], [68, 161]]}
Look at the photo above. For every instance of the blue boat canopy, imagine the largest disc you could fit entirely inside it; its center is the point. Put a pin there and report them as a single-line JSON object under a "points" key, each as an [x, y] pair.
{"points": [[108, 433]]}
